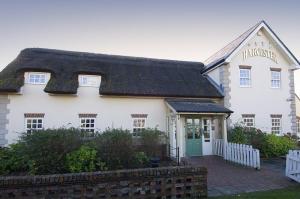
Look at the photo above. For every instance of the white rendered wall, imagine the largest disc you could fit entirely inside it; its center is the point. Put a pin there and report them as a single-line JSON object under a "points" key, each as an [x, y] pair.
{"points": [[297, 106], [63, 110], [260, 99], [215, 75]]}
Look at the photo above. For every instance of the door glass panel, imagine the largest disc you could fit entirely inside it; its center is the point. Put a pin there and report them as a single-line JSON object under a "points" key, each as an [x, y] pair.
{"points": [[197, 132], [206, 130], [189, 121], [189, 131]]}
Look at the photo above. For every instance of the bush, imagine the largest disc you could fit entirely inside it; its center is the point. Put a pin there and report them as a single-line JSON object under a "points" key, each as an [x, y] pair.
{"points": [[140, 159], [115, 147], [237, 135], [53, 151], [270, 145], [84, 160], [14, 160], [47, 149], [275, 146], [150, 141]]}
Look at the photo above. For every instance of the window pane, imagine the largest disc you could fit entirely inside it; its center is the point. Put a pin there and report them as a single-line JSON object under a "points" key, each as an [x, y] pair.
{"points": [[197, 132], [189, 132], [245, 77]]}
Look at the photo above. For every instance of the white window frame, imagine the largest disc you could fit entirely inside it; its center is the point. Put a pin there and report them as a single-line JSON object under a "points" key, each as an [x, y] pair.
{"points": [[89, 80], [136, 129], [298, 125], [276, 79], [35, 78], [248, 78], [209, 130], [247, 120], [83, 124], [37, 123], [279, 121]]}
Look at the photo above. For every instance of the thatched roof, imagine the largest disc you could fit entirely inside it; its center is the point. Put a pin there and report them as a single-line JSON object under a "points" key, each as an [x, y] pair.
{"points": [[121, 75]]}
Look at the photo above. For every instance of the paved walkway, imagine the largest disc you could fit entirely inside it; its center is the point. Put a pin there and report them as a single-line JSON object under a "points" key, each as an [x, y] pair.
{"points": [[225, 178]]}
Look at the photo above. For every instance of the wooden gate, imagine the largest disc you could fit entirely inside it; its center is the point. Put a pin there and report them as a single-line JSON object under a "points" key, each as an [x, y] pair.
{"points": [[293, 165]]}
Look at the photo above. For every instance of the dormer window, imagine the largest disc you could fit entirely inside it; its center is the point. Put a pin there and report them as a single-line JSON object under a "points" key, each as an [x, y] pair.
{"points": [[89, 80], [37, 78]]}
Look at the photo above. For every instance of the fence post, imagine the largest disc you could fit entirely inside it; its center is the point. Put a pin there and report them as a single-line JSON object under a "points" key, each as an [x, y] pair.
{"points": [[258, 159]]}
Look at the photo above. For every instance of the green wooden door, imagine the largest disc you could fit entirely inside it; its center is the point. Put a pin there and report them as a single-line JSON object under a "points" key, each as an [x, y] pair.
{"points": [[193, 137]]}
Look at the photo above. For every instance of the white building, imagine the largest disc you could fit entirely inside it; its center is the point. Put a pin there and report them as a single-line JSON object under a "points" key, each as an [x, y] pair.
{"points": [[253, 76], [298, 116]]}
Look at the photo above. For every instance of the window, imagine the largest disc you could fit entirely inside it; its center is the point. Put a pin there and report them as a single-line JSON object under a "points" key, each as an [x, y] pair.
{"points": [[275, 78], [36, 78], [139, 123], [276, 124], [249, 120], [206, 129], [87, 122], [34, 121], [245, 76], [89, 80]]}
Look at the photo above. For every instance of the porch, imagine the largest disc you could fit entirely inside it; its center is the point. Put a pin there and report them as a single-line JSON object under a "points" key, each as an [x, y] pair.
{"points": [[193, 125], [225, 178]]}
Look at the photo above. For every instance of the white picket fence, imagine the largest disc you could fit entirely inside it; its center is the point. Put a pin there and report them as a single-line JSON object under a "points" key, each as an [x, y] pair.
{"points": [[239, 153], [292, 169], [218, 147]]}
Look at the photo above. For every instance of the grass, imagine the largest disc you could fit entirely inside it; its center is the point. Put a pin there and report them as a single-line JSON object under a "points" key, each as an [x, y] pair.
{"points": [[286, 193]]}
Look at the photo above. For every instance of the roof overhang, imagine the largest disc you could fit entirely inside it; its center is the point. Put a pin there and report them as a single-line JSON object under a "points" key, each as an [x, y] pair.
{"points": [[196, 106]]}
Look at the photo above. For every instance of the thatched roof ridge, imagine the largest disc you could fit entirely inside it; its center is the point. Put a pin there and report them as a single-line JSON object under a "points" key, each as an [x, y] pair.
{"points": [[121, 75]]}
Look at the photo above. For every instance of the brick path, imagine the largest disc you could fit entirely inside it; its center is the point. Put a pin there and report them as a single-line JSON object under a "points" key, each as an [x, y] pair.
{"points": [[225, 178]]}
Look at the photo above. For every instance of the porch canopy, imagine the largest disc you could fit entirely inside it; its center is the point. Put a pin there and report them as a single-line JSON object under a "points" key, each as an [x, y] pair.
{"points": [[192, 106]]}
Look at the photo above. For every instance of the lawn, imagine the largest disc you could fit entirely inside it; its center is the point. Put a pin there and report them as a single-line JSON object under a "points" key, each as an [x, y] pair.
{"points": [[287, 193]]}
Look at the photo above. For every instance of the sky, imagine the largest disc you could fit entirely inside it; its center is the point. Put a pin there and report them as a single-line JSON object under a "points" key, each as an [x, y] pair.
{"points": [[170, 29]]}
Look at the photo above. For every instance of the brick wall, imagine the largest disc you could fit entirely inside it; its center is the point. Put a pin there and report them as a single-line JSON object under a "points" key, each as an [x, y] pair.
{"points": [[164, 182]]}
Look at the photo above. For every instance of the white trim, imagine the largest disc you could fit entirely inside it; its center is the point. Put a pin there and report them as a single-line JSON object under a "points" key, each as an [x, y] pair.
{"points": [[276, 80], [28, 74], [280, 123], [33, 118], [250, 79], [90, 80], [87, 128], [138, 127], [170, 107], [248, 118]]}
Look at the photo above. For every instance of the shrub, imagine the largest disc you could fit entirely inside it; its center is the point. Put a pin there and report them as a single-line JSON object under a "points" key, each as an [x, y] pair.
{"points": [[140, 159], [14, 160], [84, 160], [150, 141], [275, 146], [115, 147], [237, 135], [270, 145], [47, 149]]}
